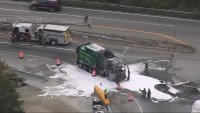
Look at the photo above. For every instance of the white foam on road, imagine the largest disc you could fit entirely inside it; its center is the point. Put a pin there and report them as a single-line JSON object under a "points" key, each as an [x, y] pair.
{"points": [[196, 107], [158, 68], [138, 81], [78, 82]]}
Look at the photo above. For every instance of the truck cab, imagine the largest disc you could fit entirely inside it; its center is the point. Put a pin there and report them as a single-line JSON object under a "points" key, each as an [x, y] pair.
{"points": [[23, 31]]}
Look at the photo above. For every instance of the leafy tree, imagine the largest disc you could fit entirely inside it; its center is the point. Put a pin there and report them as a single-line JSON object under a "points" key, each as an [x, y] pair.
{"points": [[9, 102]]}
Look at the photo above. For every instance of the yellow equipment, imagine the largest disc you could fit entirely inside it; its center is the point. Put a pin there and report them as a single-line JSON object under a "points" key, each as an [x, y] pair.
{"points": [[102, 95]]}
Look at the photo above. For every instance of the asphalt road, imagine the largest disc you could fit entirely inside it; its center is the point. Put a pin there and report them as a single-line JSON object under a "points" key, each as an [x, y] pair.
{"points": [[182, 29], [186, 30]]}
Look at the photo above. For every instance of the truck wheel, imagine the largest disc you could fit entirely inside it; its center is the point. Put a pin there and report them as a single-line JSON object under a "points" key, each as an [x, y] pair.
{"points": [[90, 69], [102, 108], [43, 42], [85, 67], [96, 107], [99, 112], [105, 74], [79, 65], [17, 38], [96, 101], [53, 42]]}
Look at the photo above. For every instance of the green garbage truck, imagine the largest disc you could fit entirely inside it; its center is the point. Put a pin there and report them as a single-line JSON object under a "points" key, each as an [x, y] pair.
{"points": [[91, 56]]}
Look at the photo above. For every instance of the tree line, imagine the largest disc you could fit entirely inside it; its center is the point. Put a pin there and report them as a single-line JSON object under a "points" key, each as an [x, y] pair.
{"points": [[179, 5], [9, 99]]}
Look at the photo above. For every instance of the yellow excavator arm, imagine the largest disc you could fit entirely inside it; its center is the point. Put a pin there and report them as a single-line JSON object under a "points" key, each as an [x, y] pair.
{"points": [[101, 94]]}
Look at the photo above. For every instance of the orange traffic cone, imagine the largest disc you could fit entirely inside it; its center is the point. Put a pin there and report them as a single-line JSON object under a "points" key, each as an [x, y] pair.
{"points": [[21, 54], [93, 72], [130, 97], [58, 62], [118, 86]]}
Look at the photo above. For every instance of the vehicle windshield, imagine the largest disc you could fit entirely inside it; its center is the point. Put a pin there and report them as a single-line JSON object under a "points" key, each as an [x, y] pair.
{"points": [[108, 54]]}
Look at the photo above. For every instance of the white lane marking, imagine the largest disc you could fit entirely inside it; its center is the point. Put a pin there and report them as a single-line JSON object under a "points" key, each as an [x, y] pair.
{"points": [[37, 46], [156, 24], [105, 11], [47, 65], [75, 41], [135, 101], [169, 25], [30, 60], [60, 48], [138, 22], [5, 43], [12, 2], [138, 105], [41, 46]]}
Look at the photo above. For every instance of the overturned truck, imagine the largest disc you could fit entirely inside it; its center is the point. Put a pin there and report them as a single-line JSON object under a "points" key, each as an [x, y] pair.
{"points": [[92, 57]]}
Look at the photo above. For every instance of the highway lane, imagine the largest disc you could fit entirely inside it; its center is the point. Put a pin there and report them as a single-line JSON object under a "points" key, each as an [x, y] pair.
{"points": [[184, 29], [149, 19], [40, 51], [132, 28]]}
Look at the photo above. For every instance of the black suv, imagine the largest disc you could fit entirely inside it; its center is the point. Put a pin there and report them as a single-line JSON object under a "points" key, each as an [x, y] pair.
{"points": [[52, 5]]}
